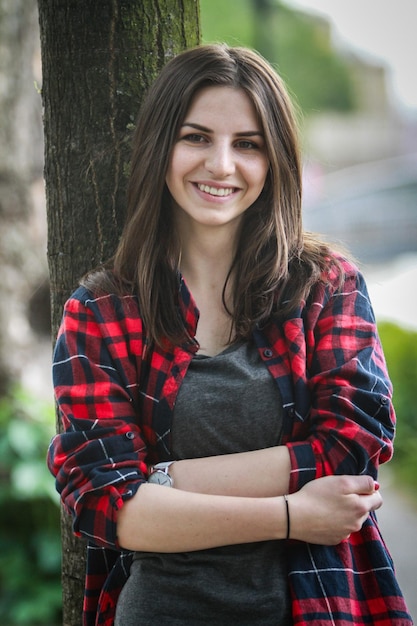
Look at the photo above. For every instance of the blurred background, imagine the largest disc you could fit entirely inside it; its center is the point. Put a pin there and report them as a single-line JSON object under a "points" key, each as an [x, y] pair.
{"points": [[350, 68]]}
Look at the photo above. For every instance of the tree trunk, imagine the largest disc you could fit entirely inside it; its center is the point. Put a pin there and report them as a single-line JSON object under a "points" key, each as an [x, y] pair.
{"points": [[98, 59]]}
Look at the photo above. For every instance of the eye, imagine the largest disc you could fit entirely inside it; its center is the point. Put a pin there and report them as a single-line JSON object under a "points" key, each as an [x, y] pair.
{"points": [[194, 138], [247, 144]]}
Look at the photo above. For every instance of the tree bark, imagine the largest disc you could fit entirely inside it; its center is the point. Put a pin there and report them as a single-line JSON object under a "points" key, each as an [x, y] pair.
{"points": [[98, 59]]}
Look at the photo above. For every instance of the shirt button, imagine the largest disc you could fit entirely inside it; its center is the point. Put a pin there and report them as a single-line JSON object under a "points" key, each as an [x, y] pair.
{"points": [[130, 435], [384, 400], [268, 353]]}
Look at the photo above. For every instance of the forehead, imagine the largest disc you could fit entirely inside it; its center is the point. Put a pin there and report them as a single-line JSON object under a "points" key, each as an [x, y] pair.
{"points": [[221, 104]]}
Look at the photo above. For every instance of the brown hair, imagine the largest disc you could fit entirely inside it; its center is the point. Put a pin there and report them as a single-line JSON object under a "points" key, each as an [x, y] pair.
{"points": [[276, 262]]}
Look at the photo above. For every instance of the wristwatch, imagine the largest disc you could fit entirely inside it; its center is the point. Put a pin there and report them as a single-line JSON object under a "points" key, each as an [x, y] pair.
{"points": [[159, 474]]}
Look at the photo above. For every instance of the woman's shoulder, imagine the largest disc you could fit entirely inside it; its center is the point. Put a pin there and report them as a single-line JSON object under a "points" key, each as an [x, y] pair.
{"points": [[340, 270], [104, 296], [340, 277]]}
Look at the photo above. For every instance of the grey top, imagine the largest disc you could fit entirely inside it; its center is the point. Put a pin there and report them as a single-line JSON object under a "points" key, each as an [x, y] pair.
{"points": [[227, 403]]}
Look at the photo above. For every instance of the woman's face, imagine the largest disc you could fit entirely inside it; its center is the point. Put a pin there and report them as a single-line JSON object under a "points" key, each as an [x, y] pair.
{"points": [[219, 162]]}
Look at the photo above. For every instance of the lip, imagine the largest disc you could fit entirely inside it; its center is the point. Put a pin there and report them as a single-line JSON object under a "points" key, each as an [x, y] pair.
{"points": [[212, 183]]}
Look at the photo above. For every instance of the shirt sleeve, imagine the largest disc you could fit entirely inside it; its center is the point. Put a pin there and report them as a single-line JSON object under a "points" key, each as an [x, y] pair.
{"points": [[351, 422], [98, 459]]}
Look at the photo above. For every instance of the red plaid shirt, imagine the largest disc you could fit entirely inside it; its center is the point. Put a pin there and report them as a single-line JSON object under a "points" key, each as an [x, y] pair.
{"points": [[116, 400]]}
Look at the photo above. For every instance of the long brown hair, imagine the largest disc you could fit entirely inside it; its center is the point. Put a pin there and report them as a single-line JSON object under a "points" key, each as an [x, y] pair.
{"points": [[276, 263]]}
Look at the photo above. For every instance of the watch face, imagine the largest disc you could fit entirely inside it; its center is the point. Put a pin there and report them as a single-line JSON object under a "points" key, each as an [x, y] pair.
{"points": [[160, 478]]}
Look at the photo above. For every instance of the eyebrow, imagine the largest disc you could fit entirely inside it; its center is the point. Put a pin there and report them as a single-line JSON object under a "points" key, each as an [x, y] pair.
{"points": [[204, 129]]}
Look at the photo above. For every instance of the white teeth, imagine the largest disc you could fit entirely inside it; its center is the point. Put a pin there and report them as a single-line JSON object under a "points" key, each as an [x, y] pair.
{"points": [[216, 191]]}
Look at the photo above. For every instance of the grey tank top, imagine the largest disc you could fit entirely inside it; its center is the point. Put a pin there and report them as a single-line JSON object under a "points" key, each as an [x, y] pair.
{"points": [[227, 403]]}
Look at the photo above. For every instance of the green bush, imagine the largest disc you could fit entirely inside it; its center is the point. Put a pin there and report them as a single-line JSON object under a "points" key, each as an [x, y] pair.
{"points": [[30, 544], [400, 347]]}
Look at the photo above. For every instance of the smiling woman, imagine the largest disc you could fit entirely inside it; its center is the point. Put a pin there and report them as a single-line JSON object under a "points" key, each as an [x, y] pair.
{"points": [[202, 377], [219, 163]]}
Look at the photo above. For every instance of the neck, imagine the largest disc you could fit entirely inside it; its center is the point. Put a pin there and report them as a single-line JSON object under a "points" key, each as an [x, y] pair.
{"points": [[205, 271], [206, 263], [207, 255], [206, 258]]}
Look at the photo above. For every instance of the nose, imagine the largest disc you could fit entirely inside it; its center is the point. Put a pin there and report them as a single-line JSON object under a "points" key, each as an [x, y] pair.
{"points": [[220, 160]]}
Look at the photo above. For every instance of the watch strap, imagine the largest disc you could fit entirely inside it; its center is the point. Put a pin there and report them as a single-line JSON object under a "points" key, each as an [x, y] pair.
{"points": [[162, 467]]}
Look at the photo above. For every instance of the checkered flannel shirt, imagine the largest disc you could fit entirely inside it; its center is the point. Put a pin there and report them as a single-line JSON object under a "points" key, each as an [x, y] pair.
{"points": [[116, 399]]}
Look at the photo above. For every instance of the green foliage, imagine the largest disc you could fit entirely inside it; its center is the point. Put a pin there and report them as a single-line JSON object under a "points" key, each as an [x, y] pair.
{"points": [[228, 21], [30, 544], [299, 45], [400, 347], [312, 69]]}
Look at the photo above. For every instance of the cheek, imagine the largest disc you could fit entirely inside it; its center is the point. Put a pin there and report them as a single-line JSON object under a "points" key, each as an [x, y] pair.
{"points": [[174, 164], [179, 166], [260, 175]]}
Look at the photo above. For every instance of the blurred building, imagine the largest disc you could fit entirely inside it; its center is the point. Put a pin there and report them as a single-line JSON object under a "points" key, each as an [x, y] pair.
{"points": [[361, 168], [375, 130]]}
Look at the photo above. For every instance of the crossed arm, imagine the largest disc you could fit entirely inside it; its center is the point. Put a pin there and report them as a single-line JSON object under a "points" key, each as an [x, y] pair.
{"points": [[232, 499], [218, 500]]}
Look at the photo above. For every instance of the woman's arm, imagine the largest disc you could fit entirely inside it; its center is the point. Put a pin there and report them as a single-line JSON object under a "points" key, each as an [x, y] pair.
{"points": [[93, 486], [351, 421], [325, 511], [258, 473], [99, 459]]}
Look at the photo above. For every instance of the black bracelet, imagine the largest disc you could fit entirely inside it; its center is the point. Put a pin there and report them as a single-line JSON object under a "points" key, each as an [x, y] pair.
{"points": [[288, 516]]}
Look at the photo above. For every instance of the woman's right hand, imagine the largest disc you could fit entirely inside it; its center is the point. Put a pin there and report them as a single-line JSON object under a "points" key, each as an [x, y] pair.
{"points": [[327, 510]]}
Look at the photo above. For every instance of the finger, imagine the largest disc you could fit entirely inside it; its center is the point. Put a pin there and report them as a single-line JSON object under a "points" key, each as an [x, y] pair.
{"points": [[362, 485], [372, 502], [366, 485], [379, 501]]}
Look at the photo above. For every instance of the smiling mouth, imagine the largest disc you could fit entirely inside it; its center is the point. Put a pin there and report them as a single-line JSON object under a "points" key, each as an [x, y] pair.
{"points": [[216, 191]]}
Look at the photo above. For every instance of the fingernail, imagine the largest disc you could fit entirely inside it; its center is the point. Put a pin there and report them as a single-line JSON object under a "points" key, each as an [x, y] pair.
{"points": [[376, 485]]}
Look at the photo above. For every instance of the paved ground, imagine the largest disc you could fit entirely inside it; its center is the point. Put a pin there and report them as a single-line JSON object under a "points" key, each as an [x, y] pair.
{"points": [[398, 524]]}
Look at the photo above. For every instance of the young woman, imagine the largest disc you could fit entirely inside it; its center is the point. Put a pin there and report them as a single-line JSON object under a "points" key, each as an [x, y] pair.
{"points": [[223, 389]]}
